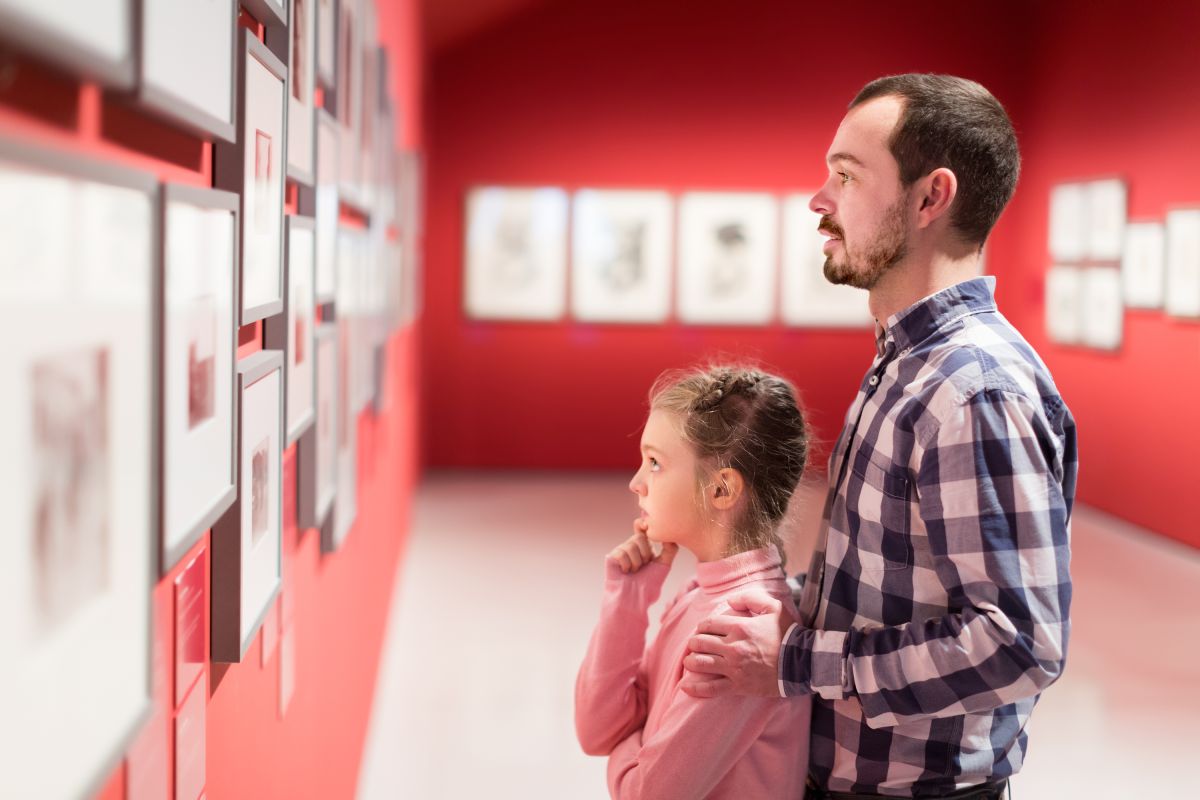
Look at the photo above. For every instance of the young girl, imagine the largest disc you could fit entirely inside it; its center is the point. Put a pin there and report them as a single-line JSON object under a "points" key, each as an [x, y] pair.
{"points": [[722, 452]]}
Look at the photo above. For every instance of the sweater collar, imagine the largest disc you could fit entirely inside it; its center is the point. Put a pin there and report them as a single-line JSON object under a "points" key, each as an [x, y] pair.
{"points": [[715, 577]]}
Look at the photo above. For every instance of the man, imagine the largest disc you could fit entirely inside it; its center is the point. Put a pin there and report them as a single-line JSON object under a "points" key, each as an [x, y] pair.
{"points": [[935, 609]]}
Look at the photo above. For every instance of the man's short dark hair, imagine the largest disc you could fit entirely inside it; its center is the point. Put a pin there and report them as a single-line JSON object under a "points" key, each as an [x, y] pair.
{"points": [[957, 124]]}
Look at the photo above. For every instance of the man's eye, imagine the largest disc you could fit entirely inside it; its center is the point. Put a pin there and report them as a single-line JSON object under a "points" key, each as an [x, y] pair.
{"points": [[844, 177]]}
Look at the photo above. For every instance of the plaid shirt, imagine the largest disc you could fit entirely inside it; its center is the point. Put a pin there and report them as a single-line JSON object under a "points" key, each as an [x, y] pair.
{"points": [[936, 606]]}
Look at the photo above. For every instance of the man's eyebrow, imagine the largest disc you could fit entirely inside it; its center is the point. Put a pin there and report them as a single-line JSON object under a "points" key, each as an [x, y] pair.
{"points": [[844, 157]]}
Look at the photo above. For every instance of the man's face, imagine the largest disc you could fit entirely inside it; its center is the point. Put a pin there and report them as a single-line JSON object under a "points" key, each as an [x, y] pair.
{"points": [[862, 205]]}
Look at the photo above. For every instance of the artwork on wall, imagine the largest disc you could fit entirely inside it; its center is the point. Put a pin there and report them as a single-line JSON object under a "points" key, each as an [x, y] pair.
{"points": [[247, 540], [186, 64], [199, 321], [621, 256], [326, 207], [292, 331], [1068, 222], [326, 55], [79, 423], [727, 255], [301, 117], [809, 299], [1064, 293], [1103, 315], [349, 99], [1106, 210], [92, 38], [1183, 263], [516, 251], [1143, 264], [317, 451], [271, 13], [254, 167], [345, 509]]}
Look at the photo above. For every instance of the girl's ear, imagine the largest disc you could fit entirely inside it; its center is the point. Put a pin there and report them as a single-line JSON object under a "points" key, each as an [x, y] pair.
{"points": [[728, 487]]}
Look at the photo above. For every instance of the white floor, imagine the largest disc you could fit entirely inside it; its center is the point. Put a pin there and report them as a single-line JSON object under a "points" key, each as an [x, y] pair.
{"points": [[496, 597]]}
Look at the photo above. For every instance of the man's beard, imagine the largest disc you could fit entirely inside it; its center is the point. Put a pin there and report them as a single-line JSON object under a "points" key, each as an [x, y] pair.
{"points": [[863, 270]]}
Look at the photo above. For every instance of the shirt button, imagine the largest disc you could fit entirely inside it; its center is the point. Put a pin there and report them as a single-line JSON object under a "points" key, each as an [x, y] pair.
{"points": [[874, 380]]}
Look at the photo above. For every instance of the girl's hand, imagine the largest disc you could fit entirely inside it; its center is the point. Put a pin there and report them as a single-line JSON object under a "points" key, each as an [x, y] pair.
{"points": [[635, 552]]}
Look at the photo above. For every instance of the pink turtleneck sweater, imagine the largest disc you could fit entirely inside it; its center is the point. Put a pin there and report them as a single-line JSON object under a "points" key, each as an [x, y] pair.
{"points": [[661, 742]]}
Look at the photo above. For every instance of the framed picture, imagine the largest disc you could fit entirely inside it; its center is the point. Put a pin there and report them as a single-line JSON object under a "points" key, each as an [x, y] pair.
{"points": [[727, 254], [621, 256], [301, 118], [1143, 264], [1183, 263], [317, 450], [93, 38], [247, 541], [1103, 317], [1068, 222], [516, 253], [327, 206], [292, 331], [349, 99], [79, 422], [1106, 217], [253, 167], [1064, 298], [327, 38], [345, 510], [368, 49], [808, 298], [186, 62], [199, 343], [271, 13]]}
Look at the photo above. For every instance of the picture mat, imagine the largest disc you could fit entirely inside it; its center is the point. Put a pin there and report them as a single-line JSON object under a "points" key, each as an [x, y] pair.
{"points": [[1106, 215], [302, 111], [326, 208], [1068, 222], [301, 309], [188, 59], [327, 420], [1183, 263], [732, 283], [1143, 264], [345, 509], [262, 199], [261, 408], [808, 299], [1104, 313], [326, 55], [83, 294], [621, 256], [516, 253], [1064, 298]]}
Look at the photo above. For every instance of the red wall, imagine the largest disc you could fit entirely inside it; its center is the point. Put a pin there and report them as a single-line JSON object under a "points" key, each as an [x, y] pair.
{"points": [[338, 603]]}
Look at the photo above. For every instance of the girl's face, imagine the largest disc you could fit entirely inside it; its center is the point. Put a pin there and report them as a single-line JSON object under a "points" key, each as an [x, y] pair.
{"points": [[666, 487]]}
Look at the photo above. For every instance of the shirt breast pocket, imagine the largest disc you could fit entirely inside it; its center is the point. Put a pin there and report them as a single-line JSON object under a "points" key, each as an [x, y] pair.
{"points": [[879, 516]]}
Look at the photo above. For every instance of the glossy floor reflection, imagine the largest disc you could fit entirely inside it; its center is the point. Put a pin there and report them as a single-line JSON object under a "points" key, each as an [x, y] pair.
{"points": [[500, 586]]}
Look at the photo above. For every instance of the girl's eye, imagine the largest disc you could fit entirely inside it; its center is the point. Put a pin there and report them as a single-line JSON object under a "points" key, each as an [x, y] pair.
{"points": [[654, 464]]}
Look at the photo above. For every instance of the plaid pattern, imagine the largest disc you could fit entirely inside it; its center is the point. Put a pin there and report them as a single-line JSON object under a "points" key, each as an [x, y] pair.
{"points": [[936, 606]]}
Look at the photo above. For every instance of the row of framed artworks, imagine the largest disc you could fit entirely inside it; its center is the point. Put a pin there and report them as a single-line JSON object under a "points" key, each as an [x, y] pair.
{"points": [[133, 428], [725, 247]]}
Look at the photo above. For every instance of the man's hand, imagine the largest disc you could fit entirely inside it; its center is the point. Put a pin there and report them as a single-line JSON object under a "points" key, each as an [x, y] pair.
{"points": [[635, 552], [737, 652]]}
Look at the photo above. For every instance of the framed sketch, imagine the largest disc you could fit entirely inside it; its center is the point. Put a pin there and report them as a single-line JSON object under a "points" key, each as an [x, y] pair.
{"points": [[271, 13], [185, 64], [292, 331], [1064, 297], [327, 206], [79, 422], [621, 256], [301, 118], [1183, 263], [199, 342], [247, 541], [253, 167], [1143, 264], [327, 38], [93, 38], [808, 299], [1106, 211], [516, 252], [317, 450], [727, 254], [1068, 222], [1103, 317]]}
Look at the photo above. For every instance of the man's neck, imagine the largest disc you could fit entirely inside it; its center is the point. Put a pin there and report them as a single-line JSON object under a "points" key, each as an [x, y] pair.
{"points": [[916, 279]]}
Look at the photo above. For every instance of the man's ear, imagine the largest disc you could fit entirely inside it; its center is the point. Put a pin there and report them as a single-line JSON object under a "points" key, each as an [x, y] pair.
{"points": [[935, 194], [727, 488]]}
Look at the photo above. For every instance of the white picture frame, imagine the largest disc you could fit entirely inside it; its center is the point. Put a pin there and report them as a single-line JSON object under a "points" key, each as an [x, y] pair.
{"points": [[1103, 311], [807, 299], [302, 72], [345, 509], [254, 167], [1068, 222], [1107, 202], [621, 243], [1143, 264], [317, 450], [91, 38], [247, 541], [516, 253], [199, 346], [1182, 289], [292, 331], [1064, 304], [727, 256], [186, 62], [348, 96], [326, 206], [327, 30], [80, 484]]}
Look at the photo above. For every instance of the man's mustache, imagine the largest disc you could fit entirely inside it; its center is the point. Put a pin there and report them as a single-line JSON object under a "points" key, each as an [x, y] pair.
{"points": [[827, 225]]}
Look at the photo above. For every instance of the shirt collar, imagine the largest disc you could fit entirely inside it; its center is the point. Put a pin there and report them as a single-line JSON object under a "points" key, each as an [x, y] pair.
{"points": [[925, 317]]}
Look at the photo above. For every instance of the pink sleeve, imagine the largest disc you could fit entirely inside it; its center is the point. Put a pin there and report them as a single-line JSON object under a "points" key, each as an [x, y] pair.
{"points": [[700, 741], [610, 691]]}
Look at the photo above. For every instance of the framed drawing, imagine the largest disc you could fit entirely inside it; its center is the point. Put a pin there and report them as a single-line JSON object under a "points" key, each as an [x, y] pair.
{"points": [[1143, 264], [808, 298], [199, 343], [327, 38], [292, 331], [516, 253], [1064, 297], [727, 253], [253, 167], [271, 13], [1068, 222], [1106, 204], [621, 256], [93, 38], [317, 451], [247, 541], [1103, 316], [1183, 263], [185, 64], [301, 118], [78, 560], [327, 206]]}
